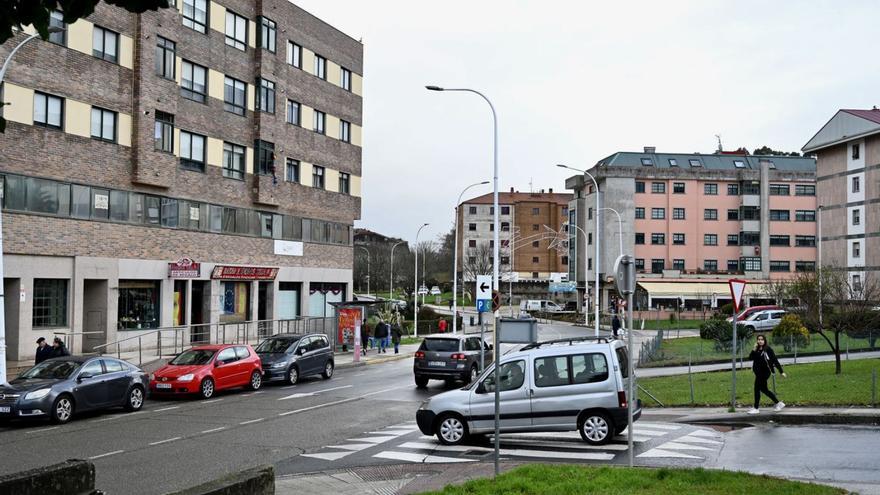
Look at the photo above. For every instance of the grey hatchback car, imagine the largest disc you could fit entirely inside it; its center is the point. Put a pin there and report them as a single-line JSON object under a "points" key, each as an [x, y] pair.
{"points": [[289, 357], [450, 357]]}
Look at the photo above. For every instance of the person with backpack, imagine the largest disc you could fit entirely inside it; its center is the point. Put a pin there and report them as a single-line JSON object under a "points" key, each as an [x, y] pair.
{"points": [[615, 326], [381, 335], [396, 335], [763, 363]]}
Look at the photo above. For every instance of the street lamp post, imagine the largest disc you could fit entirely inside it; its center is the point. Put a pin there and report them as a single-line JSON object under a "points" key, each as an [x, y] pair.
{"points": [[416, 284], [495, 252], [819, 259], [455, 260], [391, 278], [2, 295], [368, 268], [596, 265], [585, 271]]}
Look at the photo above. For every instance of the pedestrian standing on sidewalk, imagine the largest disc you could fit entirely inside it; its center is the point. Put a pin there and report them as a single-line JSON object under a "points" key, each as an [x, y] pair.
{"points": [[44, 351], [365, 337], [381, 334], [441, 326], [615, 325], [58, 348], [763, 363], [395, 336]]}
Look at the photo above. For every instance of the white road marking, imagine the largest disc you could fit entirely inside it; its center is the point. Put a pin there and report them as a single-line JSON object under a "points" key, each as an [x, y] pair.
{"points": [[110, 418], [328, 456], [681, 446], [319, 406], [252, 421], [108, 454], [650, 433], [42, 430], [212, 401], [636, 438], [354, 447], [441, 447], [690, 439], [212, 430], [396, 433], [704, 433], [410, 457], [666, 453], [309, 394], [373, 440], [165, 441], [662, 426], [167, 408]]}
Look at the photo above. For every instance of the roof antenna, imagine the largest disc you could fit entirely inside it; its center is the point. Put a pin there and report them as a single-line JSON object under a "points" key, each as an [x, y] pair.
{"points": [[531, 189], [720, 147]]}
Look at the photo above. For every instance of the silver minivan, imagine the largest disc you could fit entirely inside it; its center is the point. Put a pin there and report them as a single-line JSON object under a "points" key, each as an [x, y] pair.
{"points": [[763, 321], [560, 385]]}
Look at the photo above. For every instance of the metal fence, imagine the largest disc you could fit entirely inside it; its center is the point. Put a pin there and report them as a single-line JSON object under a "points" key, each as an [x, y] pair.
{"points": [[650, 348]]}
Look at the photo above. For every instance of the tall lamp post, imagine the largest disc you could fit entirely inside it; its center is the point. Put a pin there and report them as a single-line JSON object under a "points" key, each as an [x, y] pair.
{"points": [[819, 259], [368, 268], [597, 264], [455, 260], [391, 278], [495, 252], [2, 296], [585, 269], [416, 284]]}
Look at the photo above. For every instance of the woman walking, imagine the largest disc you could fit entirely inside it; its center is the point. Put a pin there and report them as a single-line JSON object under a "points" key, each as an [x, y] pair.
{"points": [[763, 361]]}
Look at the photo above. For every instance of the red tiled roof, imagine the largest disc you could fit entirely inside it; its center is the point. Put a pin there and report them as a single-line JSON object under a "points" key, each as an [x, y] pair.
{"points": [[508, 198], [873, 115]]}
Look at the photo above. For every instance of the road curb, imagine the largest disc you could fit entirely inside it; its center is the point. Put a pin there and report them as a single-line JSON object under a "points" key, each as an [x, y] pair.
{"points": [[793, 418], [395, 357]]}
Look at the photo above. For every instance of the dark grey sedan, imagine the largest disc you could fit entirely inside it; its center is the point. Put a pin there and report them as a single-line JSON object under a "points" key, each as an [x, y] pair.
{"points": [[60, 387], [289, 357]]}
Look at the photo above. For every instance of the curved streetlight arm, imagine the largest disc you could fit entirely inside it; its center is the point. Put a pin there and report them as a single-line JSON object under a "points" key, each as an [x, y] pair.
{"points": [[368, 267], [391, 277], [416, 283], [619, 229], [455, 259]]}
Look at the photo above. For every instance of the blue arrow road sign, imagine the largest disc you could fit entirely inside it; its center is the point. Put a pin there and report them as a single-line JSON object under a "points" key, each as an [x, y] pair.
{"points": [[484, 305]]}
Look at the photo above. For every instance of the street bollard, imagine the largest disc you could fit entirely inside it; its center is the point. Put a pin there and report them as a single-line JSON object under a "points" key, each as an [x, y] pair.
{"points": [[690, 379], [795, 353]]}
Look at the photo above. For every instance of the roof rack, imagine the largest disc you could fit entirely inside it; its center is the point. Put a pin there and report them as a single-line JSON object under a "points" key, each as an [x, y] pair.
{"points": [[570, 341]]}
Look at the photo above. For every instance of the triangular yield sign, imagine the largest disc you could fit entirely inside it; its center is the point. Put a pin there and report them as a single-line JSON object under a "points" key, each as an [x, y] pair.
{"points": [[737, 289]]}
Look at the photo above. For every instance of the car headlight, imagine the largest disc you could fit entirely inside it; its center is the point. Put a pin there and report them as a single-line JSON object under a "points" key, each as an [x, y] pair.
{"points": [[424, 404], [186, 378], [279, 365], [37, 394]]}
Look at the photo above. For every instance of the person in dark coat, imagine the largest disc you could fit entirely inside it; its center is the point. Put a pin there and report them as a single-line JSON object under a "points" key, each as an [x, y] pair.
{"points": [[763, 362], [365, 337], [58, 348], [396, 335], [615, 325], [381, 335], [44, 351]]}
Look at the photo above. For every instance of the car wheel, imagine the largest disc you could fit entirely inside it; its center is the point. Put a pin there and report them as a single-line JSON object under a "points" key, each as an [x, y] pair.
{"points": [[328, 370], [292, 375], [256, 380], [451, 429], [206, 389], [475, 373], [421, 382], [135, 399], [595, 428], [62, 409]]}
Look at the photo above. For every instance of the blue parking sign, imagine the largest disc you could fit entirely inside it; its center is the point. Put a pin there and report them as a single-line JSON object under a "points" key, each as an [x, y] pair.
{"points": [[484, 305]]}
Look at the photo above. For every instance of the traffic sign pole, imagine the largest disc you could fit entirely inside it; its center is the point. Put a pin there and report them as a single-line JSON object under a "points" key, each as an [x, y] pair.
{"points": [[737, 289]]}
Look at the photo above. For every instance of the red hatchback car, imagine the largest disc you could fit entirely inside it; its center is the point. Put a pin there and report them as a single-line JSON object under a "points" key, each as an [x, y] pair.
{"points": [[205, 369]]}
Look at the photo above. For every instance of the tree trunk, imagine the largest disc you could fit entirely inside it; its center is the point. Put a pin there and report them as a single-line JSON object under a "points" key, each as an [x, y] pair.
{"points": [[836, 353]]}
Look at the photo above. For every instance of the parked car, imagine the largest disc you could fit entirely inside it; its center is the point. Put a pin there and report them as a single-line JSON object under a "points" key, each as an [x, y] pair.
{"points": [[745, 313], [206, 369], [58, 388], [449, 357], [763, 321], [540, 305], [551, 386], [289, 357]]}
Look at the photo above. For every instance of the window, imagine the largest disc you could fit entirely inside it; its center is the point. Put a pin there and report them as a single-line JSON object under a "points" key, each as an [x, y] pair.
{"points": [[294, 112], [193, 81], [294, 54], [165, 58], [780, 215], [195, 14], [658, 239], [732, 239], [236, 30], [751, 263], [563, 260], [50, 303], [640, 187], [505, 226], [710, 189], [535, 259], [856, 216], [472, 227], [750, 213], [658, 265], [536, 243], [505, 210], [780, 266], [56, 20], [658, 213], [267, 95], [804, 190], [139, 304], [640, 264], [164, 132], [103, 124], [589, 238], [673, 162], [739, 164], [695, 162], [710, 214], [105, 44], [733, 214], [732, 265], [805, 241], [344, 183], [647, 162], [857, 283], [780, 240], [658, 187], [855, 184], [268, 30], [640, 238], [536, 211], [733, 189], [710, 265], [589, 213], [291, 171], [857, 249], [192, 151], [678, 187], [678, 264], [48, 110], [678, 239], [345, 79], [472, 210], [472, 243], [751, 188], [779, 190], [640, 212], [265, 157], [318, 177], [804, 266], [321, 67], [554, 371], [710, 239], [805, 215], [233, 161], [512, 377], [345, 131], [855, 152], [320, 120], [234, 96]]}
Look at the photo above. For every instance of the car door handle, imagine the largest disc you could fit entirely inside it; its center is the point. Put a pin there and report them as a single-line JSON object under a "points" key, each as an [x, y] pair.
{"points": [[531, 392]]}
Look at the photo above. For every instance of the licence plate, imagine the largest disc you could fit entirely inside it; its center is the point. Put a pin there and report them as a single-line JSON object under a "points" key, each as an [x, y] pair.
{"points": [[163, 385], [437, 363], [5, 409]]}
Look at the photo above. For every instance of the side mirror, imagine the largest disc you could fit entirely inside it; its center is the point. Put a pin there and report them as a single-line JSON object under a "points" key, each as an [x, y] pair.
{"points": [[84, 376], [481, 389], [490, 347], [300, 351], [217, 363]]}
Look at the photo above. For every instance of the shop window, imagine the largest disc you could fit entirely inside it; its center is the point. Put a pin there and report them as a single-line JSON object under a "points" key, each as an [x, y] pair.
{"points": [[50, 303], [139, 306], [235, 301]]}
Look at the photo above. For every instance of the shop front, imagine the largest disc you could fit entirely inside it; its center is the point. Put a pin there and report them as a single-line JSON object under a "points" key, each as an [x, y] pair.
{"points": [[139, 304], [238, 293], [322, 295]]}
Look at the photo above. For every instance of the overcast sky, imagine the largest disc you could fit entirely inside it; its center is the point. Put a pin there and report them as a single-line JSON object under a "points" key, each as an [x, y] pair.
{"points": [[576, 81]]}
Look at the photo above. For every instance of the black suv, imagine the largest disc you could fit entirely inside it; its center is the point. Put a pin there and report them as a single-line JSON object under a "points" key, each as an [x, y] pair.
{"points": [[289, 357], [449, 357]]}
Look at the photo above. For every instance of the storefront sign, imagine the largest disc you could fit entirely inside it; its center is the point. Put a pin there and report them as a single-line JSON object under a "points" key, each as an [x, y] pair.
{"points": [[288, 248], [244, 272], [184, 268]]}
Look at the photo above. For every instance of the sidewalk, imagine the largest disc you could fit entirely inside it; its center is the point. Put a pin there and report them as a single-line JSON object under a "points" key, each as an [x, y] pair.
{"points": [[346, 359], [789, 415], [746, 365]]}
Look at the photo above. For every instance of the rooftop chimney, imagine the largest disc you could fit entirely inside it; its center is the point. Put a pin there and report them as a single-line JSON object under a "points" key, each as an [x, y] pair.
{"points": [[511, 189], [650, 149], [551, 190]]}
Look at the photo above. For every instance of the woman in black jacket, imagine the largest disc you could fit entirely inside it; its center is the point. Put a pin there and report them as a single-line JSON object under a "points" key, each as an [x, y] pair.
{"points": [[763, 361]]}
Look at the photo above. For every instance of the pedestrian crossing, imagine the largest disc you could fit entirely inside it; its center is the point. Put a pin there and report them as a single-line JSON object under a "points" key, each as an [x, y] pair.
{"points": [[403, 443]]}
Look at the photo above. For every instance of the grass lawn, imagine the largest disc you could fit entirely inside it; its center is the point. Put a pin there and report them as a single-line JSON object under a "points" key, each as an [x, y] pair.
{"points": [[813, 384], [669, 325], [676, 351], [410, 340], [566, 479]]}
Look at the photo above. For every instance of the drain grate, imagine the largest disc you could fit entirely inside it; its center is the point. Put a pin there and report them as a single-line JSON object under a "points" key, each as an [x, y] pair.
{"points": [[394, 472]]}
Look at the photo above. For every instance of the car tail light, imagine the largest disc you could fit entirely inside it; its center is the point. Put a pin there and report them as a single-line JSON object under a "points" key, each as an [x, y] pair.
{"points": [[420, 355], [621, 398], [459, 357]]}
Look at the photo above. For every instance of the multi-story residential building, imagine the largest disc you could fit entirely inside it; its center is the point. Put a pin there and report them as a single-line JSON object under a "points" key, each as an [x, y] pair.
{"points": [[847, 150], [194, 165], [528, 226], [692, 221]]}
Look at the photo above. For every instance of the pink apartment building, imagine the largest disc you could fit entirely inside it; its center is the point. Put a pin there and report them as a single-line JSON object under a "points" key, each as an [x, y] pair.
{"points": [[693, 221]]}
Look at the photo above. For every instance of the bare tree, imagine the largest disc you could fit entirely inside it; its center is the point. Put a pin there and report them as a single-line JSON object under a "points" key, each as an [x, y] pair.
{"points": [[477, 261]]}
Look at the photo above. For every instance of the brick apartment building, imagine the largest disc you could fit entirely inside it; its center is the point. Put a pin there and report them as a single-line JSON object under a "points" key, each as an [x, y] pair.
{"points": [[847, 152], [195, 165], [693, 221]]}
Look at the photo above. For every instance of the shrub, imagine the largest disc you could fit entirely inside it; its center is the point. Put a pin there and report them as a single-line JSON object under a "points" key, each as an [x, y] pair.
{"points": [[790, 332], [721, 331], [727, 309], [671, 317]]}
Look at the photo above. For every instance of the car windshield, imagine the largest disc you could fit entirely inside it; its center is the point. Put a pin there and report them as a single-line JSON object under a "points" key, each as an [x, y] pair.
{"points": [[439, 345], [193, 356], [51, 370], [275, 345]]}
